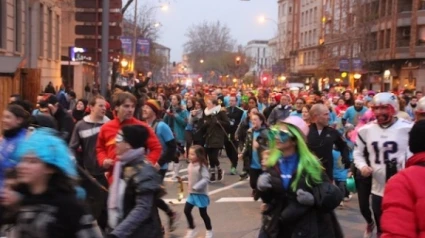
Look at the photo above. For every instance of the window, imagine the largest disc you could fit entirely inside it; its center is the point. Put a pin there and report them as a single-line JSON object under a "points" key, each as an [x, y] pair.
{"points": [[41, 31], [50, 34], [315, 41], [302, 19], [304, 58], [302, 39], [314, 58], [290, 10], [315, 15], [18, 25], [311, 16], [58, 53], [264, 52], [309, 38]]}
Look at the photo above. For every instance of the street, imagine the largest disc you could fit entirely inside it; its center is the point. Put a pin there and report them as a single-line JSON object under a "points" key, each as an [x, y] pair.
{"points": [[234, 214]]}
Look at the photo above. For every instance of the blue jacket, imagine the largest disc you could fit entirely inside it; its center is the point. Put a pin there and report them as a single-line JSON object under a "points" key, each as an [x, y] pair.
{"points": [[8, 157], [178, 124], [340, 173]]}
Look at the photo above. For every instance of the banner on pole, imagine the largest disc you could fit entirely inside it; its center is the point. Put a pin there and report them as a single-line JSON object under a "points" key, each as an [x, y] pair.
{"points": [[142, 47], [126, 43]]}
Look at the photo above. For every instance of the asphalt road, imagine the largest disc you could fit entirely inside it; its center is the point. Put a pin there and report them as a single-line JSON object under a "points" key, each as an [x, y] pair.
{"points": [[234, 214]]}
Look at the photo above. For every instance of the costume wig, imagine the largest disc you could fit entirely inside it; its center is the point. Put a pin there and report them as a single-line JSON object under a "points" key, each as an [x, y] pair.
{"points": [[309, 165]]}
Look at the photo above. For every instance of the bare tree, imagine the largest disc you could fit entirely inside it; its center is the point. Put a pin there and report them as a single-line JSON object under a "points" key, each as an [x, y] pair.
{"points": [[209, 37]]}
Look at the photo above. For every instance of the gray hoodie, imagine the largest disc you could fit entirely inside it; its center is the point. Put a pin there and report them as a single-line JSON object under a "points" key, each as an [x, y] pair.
{"points": [[85, 135]]}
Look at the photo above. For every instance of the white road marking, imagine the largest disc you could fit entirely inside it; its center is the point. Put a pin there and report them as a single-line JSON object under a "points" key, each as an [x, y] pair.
{"points": [[170, 179], [236, 199], [171, 172], [226, 188], [175, 201]]}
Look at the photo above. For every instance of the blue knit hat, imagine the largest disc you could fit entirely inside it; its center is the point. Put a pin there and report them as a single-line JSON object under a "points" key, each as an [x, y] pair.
{"points": [[50, 149]]}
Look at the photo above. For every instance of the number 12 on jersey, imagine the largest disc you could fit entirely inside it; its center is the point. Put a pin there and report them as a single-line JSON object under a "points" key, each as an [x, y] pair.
{"points": [[388, 147]]}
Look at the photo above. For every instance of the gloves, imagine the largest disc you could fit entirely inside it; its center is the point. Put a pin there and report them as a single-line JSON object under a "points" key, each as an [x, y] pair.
{"points": [[305, 198], [264, 182]]}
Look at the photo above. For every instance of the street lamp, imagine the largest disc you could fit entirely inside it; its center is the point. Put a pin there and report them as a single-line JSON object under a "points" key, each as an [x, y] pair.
{"points": [[124, 63], [201, 61], [157, 24], [357, 76]]}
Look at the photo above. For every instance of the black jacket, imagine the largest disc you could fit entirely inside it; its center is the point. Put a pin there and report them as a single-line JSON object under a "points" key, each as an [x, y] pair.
{"points": [[290, 219], [65, 123], [214, 128], [322, 146], [235, 115], [141, 218]]}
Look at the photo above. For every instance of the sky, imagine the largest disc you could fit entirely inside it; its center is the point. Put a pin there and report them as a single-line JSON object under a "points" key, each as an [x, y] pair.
{"points": [[240, 16]]}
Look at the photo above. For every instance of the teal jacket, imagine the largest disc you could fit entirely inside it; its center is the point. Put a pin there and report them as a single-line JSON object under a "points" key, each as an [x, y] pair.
{"points": [[178, 123]]}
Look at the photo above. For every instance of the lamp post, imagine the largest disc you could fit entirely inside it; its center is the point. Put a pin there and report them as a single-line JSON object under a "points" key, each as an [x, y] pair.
{"points": [[164, 7], [263, 19]]}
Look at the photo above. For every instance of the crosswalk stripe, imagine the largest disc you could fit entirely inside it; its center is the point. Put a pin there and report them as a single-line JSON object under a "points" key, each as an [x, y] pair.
{"points": [[175, 201], [236, 199], [171, 172], [227, 187]]}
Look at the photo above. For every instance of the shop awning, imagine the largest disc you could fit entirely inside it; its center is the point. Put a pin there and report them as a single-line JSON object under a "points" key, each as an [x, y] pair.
{"points": [[9, 64]]}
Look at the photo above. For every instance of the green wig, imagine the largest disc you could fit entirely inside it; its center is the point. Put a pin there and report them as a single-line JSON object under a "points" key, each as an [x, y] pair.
{"points": [[309, 165]]}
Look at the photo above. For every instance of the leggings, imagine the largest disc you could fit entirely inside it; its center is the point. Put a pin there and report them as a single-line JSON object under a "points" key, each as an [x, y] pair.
{"points": [[364, 187], [377, 211], [212, 154], [202, 211]]}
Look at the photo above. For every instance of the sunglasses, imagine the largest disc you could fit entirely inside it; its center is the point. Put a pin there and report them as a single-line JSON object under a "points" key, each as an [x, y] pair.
{"points": [[119, 138], [283, 135]]}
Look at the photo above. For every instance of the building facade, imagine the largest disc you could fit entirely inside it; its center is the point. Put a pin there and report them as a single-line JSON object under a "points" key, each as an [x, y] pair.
{"points": [[30, 30], [387, 37], [162, 73], [260, 55]]}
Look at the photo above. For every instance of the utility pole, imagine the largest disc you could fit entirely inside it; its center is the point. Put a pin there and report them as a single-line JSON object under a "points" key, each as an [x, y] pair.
{"points": [[134, 39], [105, 48]]}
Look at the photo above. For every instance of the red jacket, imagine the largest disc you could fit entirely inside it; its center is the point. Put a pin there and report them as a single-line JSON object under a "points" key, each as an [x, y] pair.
{"points": [[403, 206], [105, 147]]}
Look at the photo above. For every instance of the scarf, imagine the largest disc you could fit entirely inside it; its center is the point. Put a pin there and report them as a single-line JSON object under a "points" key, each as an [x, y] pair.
{"points": [[126, 158]]}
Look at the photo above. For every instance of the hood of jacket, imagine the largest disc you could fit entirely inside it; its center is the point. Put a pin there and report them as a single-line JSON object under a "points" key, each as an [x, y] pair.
{"points": [[104, 120], [214, 110], [418, 158]]}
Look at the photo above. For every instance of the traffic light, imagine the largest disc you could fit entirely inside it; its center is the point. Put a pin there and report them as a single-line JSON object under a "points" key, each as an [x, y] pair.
{"points": [[238, 60], [344, 74]]}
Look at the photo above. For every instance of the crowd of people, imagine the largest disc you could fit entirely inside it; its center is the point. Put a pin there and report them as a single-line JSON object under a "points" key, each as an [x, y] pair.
{"points": [[95, 166]]}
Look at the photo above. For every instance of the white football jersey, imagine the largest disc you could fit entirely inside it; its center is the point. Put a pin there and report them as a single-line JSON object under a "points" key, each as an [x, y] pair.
{"points": [[383, 145]]}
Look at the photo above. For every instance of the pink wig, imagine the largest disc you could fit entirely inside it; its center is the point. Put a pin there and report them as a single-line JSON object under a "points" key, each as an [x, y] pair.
{"points": [[366, 118]]}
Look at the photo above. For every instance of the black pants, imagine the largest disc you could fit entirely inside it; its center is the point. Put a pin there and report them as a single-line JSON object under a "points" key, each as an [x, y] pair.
{"points": [[377, 211], [188, 136], [341, 186], [364, 187], [202, 211], [96, 198], [231, 151], [159, 202], [253, 177], [212, 154]]}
